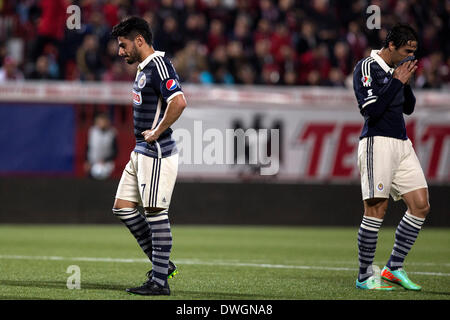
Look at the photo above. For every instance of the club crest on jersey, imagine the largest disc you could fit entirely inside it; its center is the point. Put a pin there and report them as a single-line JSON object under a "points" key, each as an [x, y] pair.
{"points": [[142, 81], [137, 97], [366, 80], [380, 187], [171, 84]]}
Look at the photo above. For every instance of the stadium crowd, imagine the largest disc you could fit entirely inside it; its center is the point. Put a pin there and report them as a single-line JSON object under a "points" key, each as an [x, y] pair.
{"points": [[284, 42]]}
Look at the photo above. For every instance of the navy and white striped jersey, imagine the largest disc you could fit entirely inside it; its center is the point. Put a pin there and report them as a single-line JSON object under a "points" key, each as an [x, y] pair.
{"points": [[382, 99], [155, 85]]}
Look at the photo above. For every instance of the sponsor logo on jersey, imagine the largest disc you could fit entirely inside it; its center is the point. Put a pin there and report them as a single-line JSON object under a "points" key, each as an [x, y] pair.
{"points": [[366, 80], [171, 84], [137, 97]]}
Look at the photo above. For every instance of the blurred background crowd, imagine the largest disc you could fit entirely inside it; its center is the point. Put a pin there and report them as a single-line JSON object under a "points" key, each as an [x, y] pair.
{"points": [[284, 42]]}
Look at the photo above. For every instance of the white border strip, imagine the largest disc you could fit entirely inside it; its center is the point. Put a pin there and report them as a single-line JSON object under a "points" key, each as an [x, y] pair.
{"points": [[199, 262]]}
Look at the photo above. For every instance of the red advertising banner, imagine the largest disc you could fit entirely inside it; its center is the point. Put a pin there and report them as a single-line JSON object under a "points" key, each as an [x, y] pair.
{"points": [[293, 134]]}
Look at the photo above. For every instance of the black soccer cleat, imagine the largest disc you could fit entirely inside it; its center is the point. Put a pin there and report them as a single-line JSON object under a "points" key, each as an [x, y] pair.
{"points": [[150, 288], [172, 271]]}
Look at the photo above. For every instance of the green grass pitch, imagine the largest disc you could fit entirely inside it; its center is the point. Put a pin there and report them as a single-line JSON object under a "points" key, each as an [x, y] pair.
{"points": [[215, 262]]}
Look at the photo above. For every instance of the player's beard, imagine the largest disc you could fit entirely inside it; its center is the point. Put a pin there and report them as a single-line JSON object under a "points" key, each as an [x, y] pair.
{"points": [[133, 56]]}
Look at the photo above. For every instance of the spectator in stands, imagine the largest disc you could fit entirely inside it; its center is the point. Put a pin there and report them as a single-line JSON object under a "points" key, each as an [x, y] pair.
{"points": [[101, 148], [110, 55], [167, 9], [241, 33], [88, 59], [98, 27], [268, 10], [217, 10], [190, 61], [236, 57], [290, 78], [41, 70], [307, 39], [335, 78], [321, 12], [432, 72], [169, 38], [222, 76], [246, 75], [313, 78], [262, 57], [263, 31], [270, 74], [3, 53], [317, 62], [341, 58], [216, 35], [356, 41], [196, 28], [218, 64], [237, 25], [51, 25], [111, 12], [280, 38], [116, 72], [9, 71]]}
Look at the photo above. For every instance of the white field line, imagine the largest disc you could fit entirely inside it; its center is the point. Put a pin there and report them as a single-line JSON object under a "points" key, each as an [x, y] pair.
{"points": [[200, 262]]}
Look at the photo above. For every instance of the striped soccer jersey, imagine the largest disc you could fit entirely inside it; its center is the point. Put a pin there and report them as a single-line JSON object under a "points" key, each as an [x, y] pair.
{"points": [[155, 85], [382, 99]]}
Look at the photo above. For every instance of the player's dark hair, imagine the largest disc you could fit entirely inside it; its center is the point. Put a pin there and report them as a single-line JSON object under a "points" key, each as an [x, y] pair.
{"points": [[400, 34], [131, 27]]}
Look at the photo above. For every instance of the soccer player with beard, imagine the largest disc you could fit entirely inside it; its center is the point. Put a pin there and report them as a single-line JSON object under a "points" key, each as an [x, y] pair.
{"points": [[149, 177]]}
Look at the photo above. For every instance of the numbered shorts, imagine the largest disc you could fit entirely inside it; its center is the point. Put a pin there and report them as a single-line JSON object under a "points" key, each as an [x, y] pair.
{"points": [[148, 181], [388, 166]]}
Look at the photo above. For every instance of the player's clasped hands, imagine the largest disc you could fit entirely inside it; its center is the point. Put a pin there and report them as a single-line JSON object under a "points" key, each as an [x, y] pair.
{"points": [[405, 71], [150, 135]]}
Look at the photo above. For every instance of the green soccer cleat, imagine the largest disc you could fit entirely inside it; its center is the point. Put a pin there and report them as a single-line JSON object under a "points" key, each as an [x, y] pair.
{"points": [[400, 277], [172, 271], [373, 283]]}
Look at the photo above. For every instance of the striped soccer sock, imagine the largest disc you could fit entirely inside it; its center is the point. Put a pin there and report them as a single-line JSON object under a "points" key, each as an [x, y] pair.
{"points": [[405, 236], [138, 226], [162, 245], [367, 244]]}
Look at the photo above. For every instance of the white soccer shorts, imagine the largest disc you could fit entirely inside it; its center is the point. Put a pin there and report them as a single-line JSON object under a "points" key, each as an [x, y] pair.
{"points": [[388, 166], [148, 181]]}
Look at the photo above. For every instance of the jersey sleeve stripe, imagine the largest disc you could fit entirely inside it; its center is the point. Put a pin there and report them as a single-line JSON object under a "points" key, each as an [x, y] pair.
{"points": [[161, 68], [366, 69], [173, 96], [368, 102], [366, 66], [160, 72], [164, 66]]}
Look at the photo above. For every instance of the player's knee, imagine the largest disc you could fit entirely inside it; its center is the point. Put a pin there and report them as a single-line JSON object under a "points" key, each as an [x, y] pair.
{"points": [[124, 213], [375, 213], [426, 208], [422, 209], [375, 208]]}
